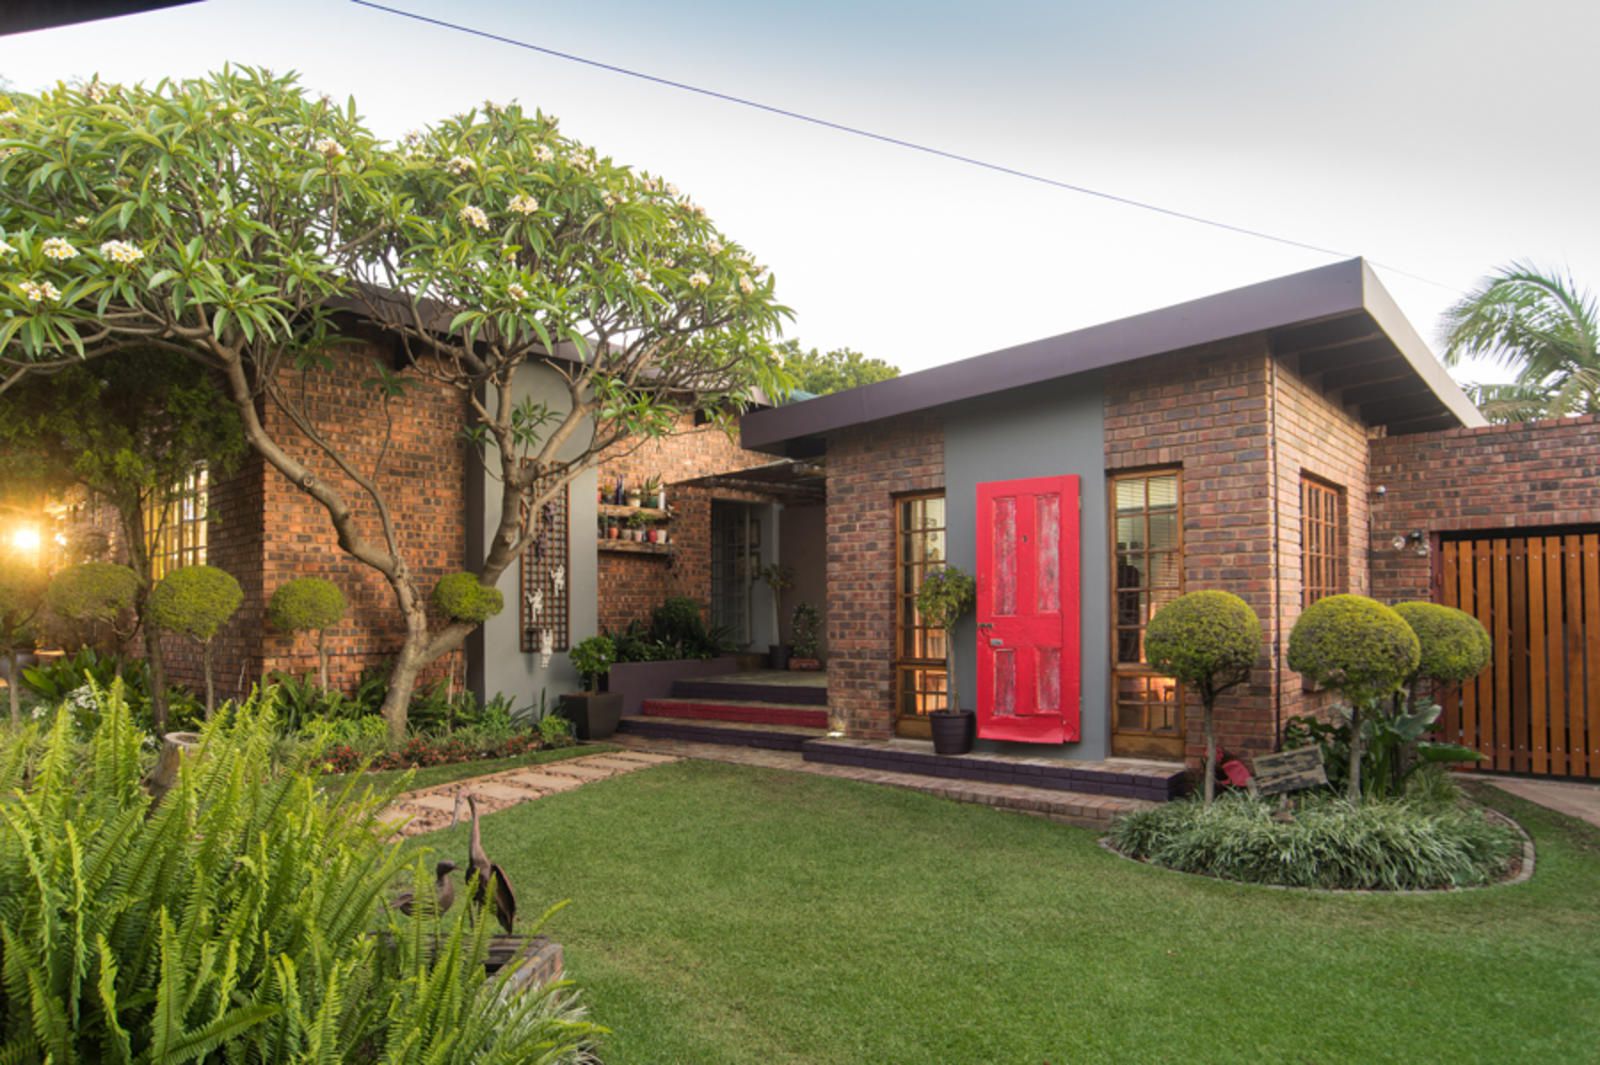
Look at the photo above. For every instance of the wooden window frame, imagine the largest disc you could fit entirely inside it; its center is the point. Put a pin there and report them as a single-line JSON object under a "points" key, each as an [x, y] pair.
{"points": [[176, 530], [924, 668], [1141, 741], [1324, 571]]}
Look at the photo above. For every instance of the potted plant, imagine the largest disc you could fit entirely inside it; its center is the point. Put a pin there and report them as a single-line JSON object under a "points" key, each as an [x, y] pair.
{"points": [[945, 595], [593, 713], [635, 497], [654, 494], [777, 578], [805, 626], [637, 523]]}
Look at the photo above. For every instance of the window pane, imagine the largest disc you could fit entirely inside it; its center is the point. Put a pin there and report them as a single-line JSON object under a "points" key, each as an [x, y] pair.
{"points": [[1163, 491], [1130, 494]]}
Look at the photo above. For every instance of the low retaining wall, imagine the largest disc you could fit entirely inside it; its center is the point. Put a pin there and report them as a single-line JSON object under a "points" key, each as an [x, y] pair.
{"points": [[638, 681]]}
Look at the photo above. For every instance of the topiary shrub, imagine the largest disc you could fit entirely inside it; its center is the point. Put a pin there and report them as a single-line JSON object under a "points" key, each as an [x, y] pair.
{"points": [[195, 601], [93, 598], [593, 658], [308, 604], [22, 588], [1208, 640], [943, 597], [1454, 644], [459, 597], [1360, 648]]}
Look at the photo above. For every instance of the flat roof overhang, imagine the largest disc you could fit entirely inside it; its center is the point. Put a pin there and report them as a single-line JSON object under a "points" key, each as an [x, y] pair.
{"points": [[1338, 320]]}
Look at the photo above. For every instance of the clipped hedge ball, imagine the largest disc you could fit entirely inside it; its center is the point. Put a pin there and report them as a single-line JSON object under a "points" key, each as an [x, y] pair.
{"points": [[1203, 635], [460, 597], [195, 601], [306, 604], [1455, 645], [1354, 645], [92, 591]]}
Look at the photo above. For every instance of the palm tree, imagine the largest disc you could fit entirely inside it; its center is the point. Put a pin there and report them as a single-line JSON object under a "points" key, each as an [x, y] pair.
{"points": [[1542, 327]]}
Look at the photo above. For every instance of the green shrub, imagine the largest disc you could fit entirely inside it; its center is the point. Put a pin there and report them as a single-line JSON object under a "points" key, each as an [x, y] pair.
{"points": [[459, 597], [308, 604], [1330, 843], [1454, 644], [1208, 640], [593, 658], [22, 588], [943, 597], [93, 599], [238, 918], [195, 601]]}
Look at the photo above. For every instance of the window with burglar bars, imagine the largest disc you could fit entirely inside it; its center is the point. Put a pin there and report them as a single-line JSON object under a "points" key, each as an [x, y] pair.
{"points": [[547, 580], [1322, 565]]}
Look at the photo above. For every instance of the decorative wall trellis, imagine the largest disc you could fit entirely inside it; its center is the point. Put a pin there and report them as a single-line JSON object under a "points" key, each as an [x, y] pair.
{"points": [[547, 581]]}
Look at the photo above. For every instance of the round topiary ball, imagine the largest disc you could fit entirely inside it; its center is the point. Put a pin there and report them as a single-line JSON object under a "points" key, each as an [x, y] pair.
{"points": [[1204, 638], [1455, 645], [1354, 645], [306, 604], [460, 597], [195, 601], [92, 591]]}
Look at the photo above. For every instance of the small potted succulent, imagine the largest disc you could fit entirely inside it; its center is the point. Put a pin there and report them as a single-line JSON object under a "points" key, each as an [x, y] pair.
{"points": [[655, 493], [945, 596], [805, 634], [594, 713]]}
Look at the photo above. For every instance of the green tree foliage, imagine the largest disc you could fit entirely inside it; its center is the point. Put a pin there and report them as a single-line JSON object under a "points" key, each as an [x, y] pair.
{"points": [[240, 917], [832, 371], [22, 588], [593, 659], [1360, 648], [1208, 640], [943, 598], [461, 597], [94, 601], [127, 427], [1541, 326], [308, 604], [196, 601], [232, 218], [1454, 644]]}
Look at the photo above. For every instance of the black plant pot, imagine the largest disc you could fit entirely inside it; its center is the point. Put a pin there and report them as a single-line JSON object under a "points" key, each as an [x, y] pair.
{"points": [[594, 715], [778, 655], [954, 731]]}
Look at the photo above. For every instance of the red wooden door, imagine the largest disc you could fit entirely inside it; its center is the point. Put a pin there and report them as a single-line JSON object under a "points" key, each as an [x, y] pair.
{"points": [[1028, 659]]}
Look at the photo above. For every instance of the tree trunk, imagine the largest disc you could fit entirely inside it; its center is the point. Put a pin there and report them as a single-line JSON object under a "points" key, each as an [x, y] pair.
{"points": [[132, 515], [1211, 752], [11, 688], [952, 693], [158, 676], [211, 689], [402, 684], [322, 658], [1357, 742]]}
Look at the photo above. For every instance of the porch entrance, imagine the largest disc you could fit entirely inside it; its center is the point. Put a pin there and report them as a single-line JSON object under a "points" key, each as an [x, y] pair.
{"points": [[919, 650], [735, 561], [1536, 709]]}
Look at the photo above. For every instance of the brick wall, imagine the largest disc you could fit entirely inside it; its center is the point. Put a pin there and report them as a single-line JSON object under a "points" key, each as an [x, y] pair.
{"points": [[630, 586], [1499, 477], [1208, 412], [867, 467]]}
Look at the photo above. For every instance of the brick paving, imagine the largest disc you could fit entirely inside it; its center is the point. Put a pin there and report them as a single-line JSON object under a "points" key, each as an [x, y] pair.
{"points": [[1089, 811], [430, 809]]}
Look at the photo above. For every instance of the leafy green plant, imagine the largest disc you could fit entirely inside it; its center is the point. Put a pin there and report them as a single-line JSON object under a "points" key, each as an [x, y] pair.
{"points": [[94, 601], [196, 601], [22, 588], [945, 595], [805, 628], [308, 604], [593, 658], [555, 731], [1329, 843], [460, 597], [1209, 640], [237, 918], [54, 680], [1359, 648]]}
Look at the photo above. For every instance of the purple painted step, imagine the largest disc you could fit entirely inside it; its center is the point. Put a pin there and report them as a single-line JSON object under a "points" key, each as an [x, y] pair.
{"points": [[751, 692], [737, 734]]}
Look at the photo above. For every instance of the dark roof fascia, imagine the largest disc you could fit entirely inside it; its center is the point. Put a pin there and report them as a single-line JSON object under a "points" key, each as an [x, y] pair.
{"points": [[1326, 292]]}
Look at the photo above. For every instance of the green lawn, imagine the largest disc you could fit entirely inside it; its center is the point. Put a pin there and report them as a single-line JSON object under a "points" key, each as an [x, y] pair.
{"points": [[444, 774], [729, 914]]}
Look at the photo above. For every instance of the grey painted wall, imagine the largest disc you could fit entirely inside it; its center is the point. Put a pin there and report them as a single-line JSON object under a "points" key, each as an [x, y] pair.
{"points": [[803, 531], [1044, 431], [496, 662]]}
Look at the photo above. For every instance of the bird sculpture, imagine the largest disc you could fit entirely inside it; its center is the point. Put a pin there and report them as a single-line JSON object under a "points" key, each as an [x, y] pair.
{"points": [[484, 876], [444, 890]]}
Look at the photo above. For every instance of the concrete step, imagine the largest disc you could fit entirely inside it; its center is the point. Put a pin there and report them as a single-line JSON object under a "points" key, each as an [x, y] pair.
{"points": [[750, 691], [796, 714], [727, 733]]}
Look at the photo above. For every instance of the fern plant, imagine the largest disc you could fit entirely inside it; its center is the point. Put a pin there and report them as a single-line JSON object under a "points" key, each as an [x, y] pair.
{"points": [[234, 920]]}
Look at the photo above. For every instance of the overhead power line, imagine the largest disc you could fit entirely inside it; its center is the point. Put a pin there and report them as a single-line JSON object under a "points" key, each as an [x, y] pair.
{"points": [[884, 138]]}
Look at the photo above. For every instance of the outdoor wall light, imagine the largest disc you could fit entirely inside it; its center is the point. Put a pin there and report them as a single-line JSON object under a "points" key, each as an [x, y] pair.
{"points": [[1414, 540]]}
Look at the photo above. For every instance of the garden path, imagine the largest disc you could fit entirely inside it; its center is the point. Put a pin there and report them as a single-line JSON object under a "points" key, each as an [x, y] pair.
{"points": [[1563, 796], [430, 809]]}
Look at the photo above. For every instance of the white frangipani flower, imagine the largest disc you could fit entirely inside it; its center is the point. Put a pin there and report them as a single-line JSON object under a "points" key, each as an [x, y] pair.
{"points": [[6, 249], [330, 148], [523, 204], [699, 279], [473, 216], [543, 153], [460, 164], [746, 285], [37, 291], [81, 220], [121, 252], [713, 246], [58, 249], [516, 291]]}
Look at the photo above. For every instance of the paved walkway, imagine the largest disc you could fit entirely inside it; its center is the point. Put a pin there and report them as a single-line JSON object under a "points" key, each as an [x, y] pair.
{"points": [[429, 809], [1563, 796]]}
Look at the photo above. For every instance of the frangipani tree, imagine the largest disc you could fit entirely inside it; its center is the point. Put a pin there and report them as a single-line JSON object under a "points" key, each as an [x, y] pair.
{"points": [[232, 218]]}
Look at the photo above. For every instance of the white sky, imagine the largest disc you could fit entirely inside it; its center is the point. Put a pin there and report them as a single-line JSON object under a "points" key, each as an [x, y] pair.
{"points": [[1442, 138]]}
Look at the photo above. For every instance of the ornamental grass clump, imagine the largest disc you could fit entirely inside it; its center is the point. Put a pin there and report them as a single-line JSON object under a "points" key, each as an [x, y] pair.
{"points": [[240, 917], [1361, 649], [1209, 640], [1329, 843]]}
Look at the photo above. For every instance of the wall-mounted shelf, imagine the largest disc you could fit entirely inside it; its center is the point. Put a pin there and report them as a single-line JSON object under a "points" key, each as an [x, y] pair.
{"points": [[612, 510], [635, 547]]}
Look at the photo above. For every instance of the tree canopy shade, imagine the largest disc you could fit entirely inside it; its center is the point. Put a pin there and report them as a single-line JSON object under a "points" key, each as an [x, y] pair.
{"points": [[821, 373], [232, 218], [1541, 326]]}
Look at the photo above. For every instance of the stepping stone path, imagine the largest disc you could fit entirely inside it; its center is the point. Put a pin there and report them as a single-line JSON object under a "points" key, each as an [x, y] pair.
{"points": [[430, 809]]}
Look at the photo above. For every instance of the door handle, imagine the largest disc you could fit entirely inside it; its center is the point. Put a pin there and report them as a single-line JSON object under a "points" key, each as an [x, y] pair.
{"points": [[985, 624]]}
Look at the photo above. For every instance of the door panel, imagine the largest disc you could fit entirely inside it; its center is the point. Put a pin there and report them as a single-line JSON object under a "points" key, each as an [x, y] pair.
{"points": [[1027, 655]]}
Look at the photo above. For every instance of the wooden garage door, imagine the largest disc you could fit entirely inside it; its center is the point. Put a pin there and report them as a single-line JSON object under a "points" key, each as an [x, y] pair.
{"points": [[1536, 709]]}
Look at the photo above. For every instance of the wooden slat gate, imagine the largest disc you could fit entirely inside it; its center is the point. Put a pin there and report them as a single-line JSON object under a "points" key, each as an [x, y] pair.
{"points": [[1536, 709]]}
